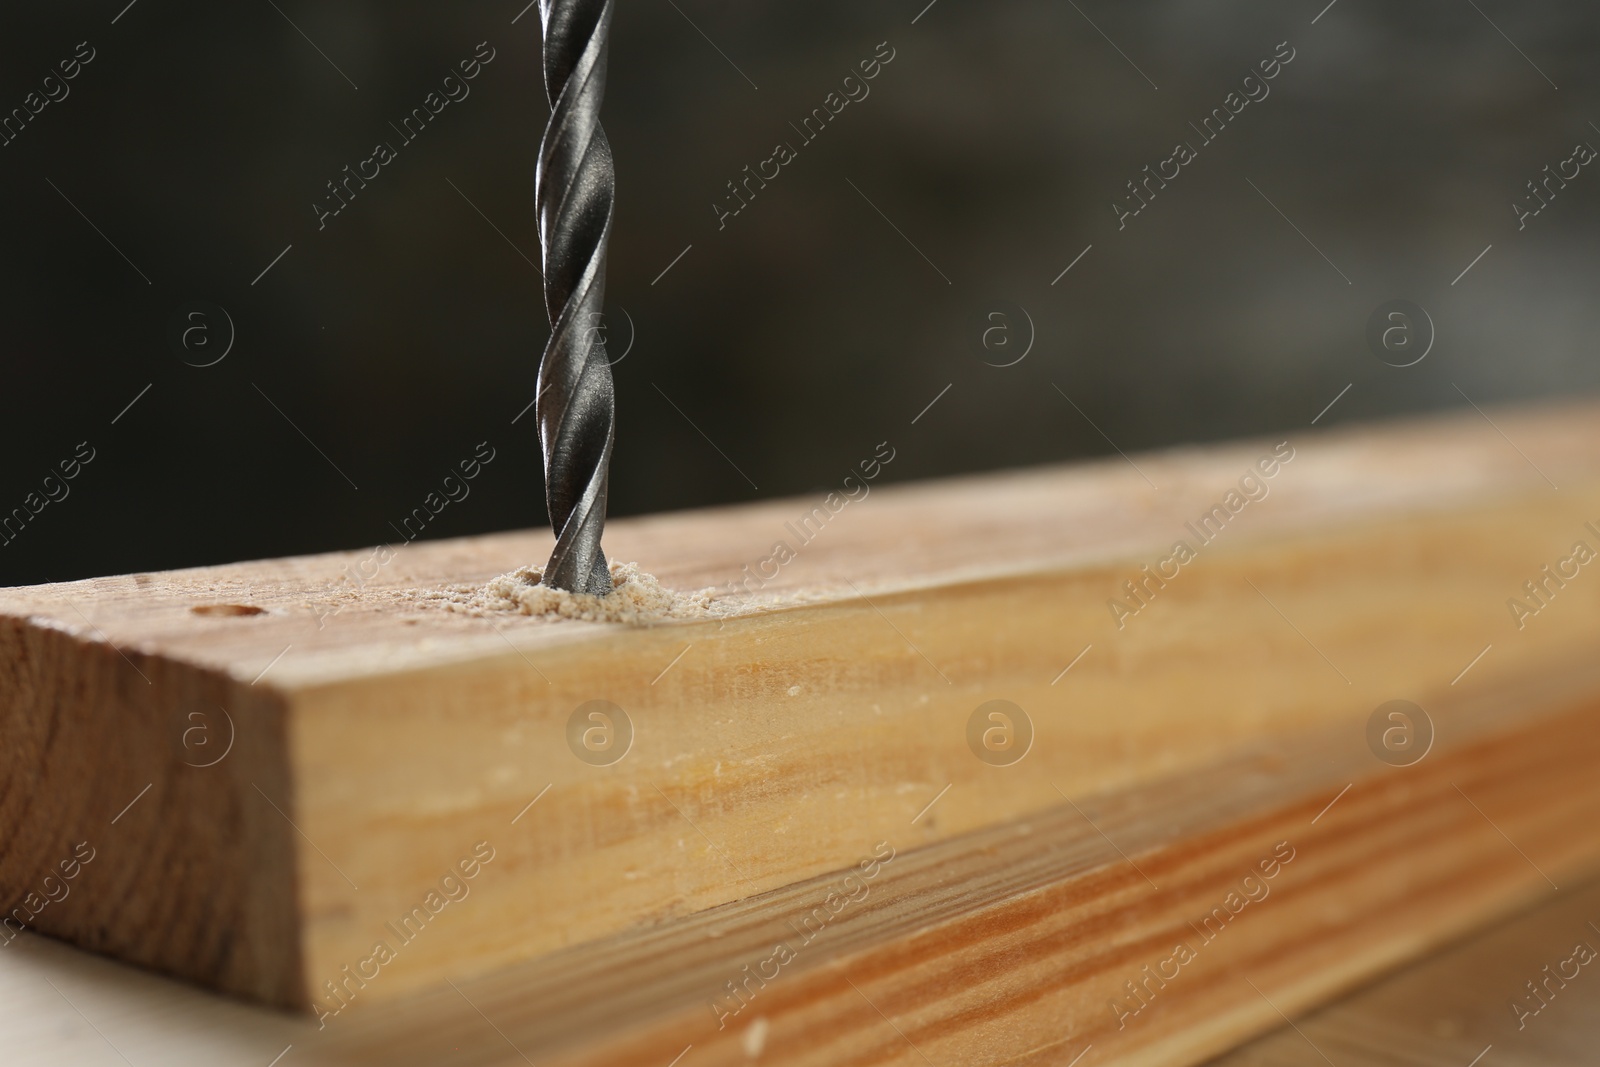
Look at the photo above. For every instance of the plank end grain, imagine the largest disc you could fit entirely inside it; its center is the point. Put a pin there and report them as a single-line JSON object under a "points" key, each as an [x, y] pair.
{"points": [[131, 793]]}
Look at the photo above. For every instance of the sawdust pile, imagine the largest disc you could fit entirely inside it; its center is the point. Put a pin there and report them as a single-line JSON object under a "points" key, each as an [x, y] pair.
{"points": [[637, 599]]}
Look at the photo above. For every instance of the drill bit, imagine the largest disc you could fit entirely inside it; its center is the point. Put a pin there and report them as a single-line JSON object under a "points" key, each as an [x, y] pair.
{"points": [[574, 193]]}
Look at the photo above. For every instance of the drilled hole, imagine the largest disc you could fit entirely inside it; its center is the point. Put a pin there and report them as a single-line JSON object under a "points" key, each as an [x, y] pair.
{"points": [[227, 609]]}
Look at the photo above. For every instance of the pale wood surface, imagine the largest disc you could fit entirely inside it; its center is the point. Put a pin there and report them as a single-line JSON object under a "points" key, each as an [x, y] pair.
{"points": [[897, 540], [789, 736]]}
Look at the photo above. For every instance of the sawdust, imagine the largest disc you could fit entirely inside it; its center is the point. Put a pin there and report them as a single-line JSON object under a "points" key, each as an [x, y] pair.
{"points": [[637, 599]]}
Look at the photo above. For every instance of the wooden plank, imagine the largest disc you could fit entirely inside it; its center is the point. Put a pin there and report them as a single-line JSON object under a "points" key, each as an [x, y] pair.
{"points": [[1010, 945], [1469, 1003], [378, 739]]}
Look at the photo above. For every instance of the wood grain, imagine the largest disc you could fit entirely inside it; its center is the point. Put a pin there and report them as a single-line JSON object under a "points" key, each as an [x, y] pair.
{"points": [[379, 740], [1007, 946]]}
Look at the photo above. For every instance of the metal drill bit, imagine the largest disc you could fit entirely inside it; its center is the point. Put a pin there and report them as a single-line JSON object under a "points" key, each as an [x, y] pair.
{"points": [[575, 189]]}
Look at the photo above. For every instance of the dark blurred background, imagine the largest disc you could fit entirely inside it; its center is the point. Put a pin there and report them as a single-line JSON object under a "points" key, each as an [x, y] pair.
{"points": [[377, 352]]}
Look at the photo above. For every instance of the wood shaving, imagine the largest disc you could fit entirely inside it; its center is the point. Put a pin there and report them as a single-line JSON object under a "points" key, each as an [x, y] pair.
{"points": [[637, 599]]}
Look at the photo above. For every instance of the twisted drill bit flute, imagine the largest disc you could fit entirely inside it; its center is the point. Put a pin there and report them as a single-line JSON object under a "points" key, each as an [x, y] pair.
{"points": [[574, 193]]}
